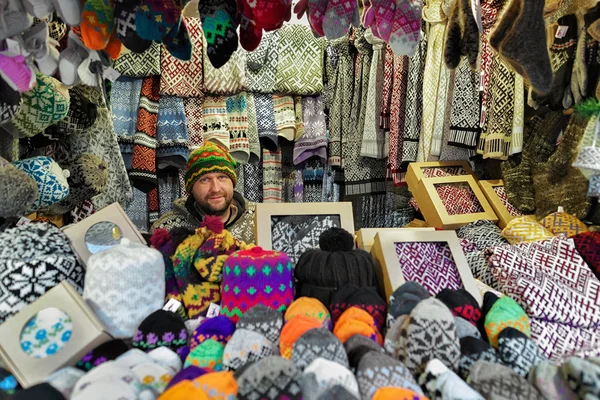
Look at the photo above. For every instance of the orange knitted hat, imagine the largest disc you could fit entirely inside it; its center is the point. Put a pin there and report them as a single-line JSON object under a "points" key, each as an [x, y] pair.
{"points": [[218, 385], [344, 330], [358, 314], [184, 390], [292, 331], [395, 393], [309, 307]]}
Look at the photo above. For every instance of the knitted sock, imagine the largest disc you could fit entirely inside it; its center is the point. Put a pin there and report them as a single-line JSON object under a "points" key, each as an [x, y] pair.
{"points": [[495, 381], [125, 27], [178, 42], [583, 377], [338, 17], [71, 58], [431, 333], [548, 380], [406, 30], [250, 32], [518, 351], [97, 23], [473, 350], [462, 35], [316, 14], [219, 27], [154, 19], [377, 370], [521, 46], [440, 382]]}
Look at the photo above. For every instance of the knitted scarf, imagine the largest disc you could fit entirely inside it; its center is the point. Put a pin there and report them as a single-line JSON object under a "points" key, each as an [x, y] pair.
{"points": [[516, 139], [265, 120], [237, 115], [215, 121], [172, 133], [299, 117], [285, 117], [398, 107], [272, 176], [375, 143], [125, 99], [253, 182], [435, 83], [194, 117], [314, 140], [464, 121], [253, 140], [388, 79]]}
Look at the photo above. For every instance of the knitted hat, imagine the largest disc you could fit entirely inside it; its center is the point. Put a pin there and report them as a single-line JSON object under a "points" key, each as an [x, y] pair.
{"points": [[561, 222], [189, 373], [358, 346], [40, 391], [323, 374], [525, 229], [133, 357], [155, 377], [396, 393], [309, 307], [394, 341], [23, 264], [489, 299], [109, 372], [548, 380], [209, 354], [274, 377], [377, 370], [23, 190], [473, 350], [462, 304], [364, 298], [246, 346], [105, 352], [124, 285], [465, 328], [184, 390], [318, 343], [51, 180], [430, 333], [404, 299], [256, 276], [582, 376], [64, 380], [356, 321], [167, 358], [321, 272], [337, 392], [518, 351], [81, 116], [440, 382], [505, 313], [497, 381], [264, 320], [219, 328], [218, 385], [207, 159], [292, 331], [161, 328], [588, 246]]}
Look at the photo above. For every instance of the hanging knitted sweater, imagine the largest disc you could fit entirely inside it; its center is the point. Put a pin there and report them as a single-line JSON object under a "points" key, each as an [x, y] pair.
{"points": [[300, 61], [261, 64], [375, 142], [230, 78]]}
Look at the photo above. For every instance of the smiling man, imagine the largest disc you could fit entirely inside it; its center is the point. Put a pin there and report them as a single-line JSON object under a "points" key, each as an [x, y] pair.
{"points": [[210, 180]]}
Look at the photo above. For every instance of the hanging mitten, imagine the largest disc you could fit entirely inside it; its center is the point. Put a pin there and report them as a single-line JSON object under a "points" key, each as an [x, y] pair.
{"points": [[462, 36], [125, 30], [219, 26], [406, 30], [338, 17], [97, 23], [178, 42], [154, 19]]}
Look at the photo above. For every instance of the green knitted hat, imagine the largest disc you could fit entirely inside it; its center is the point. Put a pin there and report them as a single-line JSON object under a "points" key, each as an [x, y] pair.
{"points": [[207, 354], [206, 159], [505, 313]]}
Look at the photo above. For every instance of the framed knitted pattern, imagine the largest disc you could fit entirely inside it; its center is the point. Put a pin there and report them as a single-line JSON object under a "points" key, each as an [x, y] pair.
{"points": [[184, 78], [140, 65], [496, 194]]}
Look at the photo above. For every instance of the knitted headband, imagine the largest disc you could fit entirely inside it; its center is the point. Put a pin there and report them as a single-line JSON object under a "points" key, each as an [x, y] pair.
{"points": [[206, 159]]}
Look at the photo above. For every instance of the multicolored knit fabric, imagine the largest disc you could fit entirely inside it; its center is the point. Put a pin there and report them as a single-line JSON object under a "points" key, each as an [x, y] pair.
{"points": [[272, 178], [198, 265], [261, 64], [215, 124], [237, 115], [588, 246], [140, 65], [256, 276], [206, 159], [143, 166], [252, 133], [171, 133], [194, 115], [285, 117], [562, 223], [525, 229], [125, 100], [464, 121]]}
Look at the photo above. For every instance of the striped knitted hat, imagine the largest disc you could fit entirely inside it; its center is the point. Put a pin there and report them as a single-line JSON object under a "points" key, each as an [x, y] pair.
{"points": [[206, 159]]}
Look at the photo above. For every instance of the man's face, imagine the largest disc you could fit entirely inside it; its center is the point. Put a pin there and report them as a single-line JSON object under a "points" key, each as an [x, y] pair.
{"points": [[214, 193]]}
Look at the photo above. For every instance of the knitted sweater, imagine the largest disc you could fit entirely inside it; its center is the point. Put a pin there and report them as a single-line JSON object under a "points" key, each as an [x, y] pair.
{"points": [[261, 64], [230, 78]]}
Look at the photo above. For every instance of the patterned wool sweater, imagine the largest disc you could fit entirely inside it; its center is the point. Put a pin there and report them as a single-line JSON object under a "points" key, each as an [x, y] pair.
{"points": [[185, 215]]}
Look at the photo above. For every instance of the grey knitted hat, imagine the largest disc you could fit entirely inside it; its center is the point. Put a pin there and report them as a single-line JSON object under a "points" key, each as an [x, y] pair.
{"points": [[496, 381], [321, 375], [464, 328], [518, 351], [473, 350], [246, 346], [318, 343], [358, 346], [404, 299], [264, 320], [272, 378], [17, 191]]}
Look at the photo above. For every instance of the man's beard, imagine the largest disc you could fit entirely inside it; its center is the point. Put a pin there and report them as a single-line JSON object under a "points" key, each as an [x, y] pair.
{"points": [[208, 209]]}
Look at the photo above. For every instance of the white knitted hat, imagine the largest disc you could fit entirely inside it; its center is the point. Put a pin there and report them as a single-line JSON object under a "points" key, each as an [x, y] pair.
{"points": [[123, 285]]}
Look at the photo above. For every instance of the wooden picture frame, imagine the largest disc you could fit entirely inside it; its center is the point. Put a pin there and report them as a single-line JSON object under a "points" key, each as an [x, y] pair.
{"points": [[365, 237], [88, 332], [488, 189], [436, 214], [265, 212], [389, 272], [415, 175]]}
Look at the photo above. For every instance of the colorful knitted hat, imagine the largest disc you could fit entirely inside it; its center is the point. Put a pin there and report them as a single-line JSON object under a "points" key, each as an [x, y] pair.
{"points": [[525, 229], [505, 313], [273, 378], [161, 328], [246, 346], [256, 276], [189, 373], [219, 328], [588, 246], [23, 190], [355, 321], [364, 298], [292, 331], [51, 180], [462, 304], [395, 393], [105, 352], [207, 159], [309, 307], [218, 385], [264, 320], [318, 343], [209, 354], [198, 265], [184, 390]]}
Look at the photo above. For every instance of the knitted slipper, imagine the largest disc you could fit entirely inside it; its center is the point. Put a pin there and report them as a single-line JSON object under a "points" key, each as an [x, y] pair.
{"points": [[69, 11], [125, 30], [39, 8], [89, 69], [338, 17], [57, 29], [219, 27], [97, 24], [155, 18], [70, 59], [16, 73], [178, 42], [14, 19], [406, 31]]}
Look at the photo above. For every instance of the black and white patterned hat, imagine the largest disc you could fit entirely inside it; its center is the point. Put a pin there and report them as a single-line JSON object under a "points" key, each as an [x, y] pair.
{"points": [[264, 320]]}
